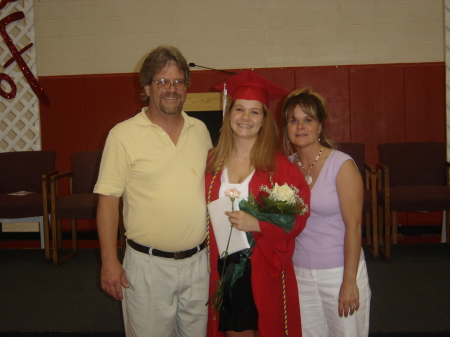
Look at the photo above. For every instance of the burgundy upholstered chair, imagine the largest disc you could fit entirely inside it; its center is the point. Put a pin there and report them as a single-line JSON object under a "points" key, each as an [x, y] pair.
{"points": [[412, 178], [81, 203], [27, 171], [357, 152]]}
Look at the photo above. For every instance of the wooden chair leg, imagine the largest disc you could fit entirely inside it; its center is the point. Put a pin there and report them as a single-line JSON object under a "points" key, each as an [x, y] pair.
{"points": [[381, 225], [396, 237], [387, 234], [372, 233], [368, 229], [55, 240], [48, 257], [56, 260], [394, 226], [384, 227], [374, 223], [59, 234]]}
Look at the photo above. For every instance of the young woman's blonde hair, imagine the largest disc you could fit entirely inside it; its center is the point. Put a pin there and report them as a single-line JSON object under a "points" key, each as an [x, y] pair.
{"points": [[262, 155], [315, 106]]}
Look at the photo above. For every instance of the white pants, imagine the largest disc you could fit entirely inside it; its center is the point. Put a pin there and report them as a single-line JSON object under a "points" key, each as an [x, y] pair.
{"points": [[166, 297], [319, 294]]}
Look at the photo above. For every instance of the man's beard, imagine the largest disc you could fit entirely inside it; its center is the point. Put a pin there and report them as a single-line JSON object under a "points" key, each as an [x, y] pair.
{"points": [[170, 110]]}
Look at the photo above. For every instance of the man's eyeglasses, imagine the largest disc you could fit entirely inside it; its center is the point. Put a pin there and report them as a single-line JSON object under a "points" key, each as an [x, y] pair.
{"points": [[164, 84]]}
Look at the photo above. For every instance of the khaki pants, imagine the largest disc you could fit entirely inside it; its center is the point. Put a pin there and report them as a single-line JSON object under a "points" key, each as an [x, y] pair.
{"points": [[166, 297]]}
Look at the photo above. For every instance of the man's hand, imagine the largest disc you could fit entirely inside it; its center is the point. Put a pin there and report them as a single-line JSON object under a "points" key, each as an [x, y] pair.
{"points": [[113, 278]]}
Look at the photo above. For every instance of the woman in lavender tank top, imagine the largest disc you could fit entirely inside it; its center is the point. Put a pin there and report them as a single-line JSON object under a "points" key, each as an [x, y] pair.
{"points": [[328, 260]]}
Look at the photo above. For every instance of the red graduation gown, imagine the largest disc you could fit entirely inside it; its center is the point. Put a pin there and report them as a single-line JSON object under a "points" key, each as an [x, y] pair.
{"points": [[271, 255]]}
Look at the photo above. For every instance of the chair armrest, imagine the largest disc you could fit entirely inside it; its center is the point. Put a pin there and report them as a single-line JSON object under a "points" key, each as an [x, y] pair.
{"points": [[46, 176], [60, 176], [382, 167], [383, 176], [54, 183], [370, 168], [370, 173]]}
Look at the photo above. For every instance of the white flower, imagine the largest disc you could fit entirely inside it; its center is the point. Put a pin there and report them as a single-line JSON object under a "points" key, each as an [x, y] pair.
{"points": [[283, 193]]}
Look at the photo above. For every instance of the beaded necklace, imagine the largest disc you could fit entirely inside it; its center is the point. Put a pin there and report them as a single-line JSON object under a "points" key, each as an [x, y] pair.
{"points": [[308, 175]]}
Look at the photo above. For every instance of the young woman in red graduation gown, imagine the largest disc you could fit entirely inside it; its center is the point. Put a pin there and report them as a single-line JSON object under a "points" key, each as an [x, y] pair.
{"points": [[261, 303]]}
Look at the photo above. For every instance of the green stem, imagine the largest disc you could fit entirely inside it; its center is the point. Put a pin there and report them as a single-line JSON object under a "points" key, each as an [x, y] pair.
{"points": [[225, 255], [229, 237]]}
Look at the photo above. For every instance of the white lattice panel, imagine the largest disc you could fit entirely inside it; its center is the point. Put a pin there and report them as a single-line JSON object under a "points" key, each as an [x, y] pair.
{"points": [[19, 117]]}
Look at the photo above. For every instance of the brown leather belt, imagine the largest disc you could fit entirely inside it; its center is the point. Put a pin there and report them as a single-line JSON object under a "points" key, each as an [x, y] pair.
{"points": [[156, 252]]}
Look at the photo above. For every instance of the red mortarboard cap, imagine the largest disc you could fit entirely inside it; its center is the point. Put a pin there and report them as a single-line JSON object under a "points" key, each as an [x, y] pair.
{"points": [[249, 85]]}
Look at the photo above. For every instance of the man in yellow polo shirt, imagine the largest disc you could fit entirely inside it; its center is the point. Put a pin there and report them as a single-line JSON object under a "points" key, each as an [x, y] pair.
{"points": [[156, 162]]}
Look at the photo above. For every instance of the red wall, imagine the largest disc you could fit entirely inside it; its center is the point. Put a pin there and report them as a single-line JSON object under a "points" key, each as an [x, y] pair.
{"points": [[369, 104]]}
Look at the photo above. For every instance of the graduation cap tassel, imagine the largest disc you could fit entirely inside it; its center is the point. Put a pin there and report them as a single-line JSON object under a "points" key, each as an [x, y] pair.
{"points": [[224, 99]]}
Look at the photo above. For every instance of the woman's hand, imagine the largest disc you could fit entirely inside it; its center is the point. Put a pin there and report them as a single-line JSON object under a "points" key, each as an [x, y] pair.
{"points": [[243, 221], [348, 298]]}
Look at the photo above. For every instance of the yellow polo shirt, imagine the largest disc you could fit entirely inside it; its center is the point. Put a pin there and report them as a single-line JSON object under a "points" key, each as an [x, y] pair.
{"points": [[162, 184]]}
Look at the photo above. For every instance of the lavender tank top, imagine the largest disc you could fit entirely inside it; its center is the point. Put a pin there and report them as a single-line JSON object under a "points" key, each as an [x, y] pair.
{"points": [[321, 244]]}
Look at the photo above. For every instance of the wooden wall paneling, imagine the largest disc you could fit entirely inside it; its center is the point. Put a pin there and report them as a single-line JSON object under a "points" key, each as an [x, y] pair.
{"points": [[63, 123], [377, 106], [205, 80], [109, 99], [333, 84], [425, 102]]}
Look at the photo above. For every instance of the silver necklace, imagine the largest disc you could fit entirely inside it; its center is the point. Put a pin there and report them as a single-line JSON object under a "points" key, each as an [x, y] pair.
{"points": [[308, 175], [245, 158]]}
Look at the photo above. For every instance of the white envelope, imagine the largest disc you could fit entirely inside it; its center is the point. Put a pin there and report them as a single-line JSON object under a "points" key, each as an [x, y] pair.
{"points": [[222, 226]]}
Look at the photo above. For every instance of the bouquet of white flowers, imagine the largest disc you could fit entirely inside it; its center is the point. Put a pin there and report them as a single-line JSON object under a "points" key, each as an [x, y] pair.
{"points": [[279, 207]]}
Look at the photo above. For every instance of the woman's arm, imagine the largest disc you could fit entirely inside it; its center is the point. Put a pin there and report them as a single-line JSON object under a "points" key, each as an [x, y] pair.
{"points": [[350, 191]]}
